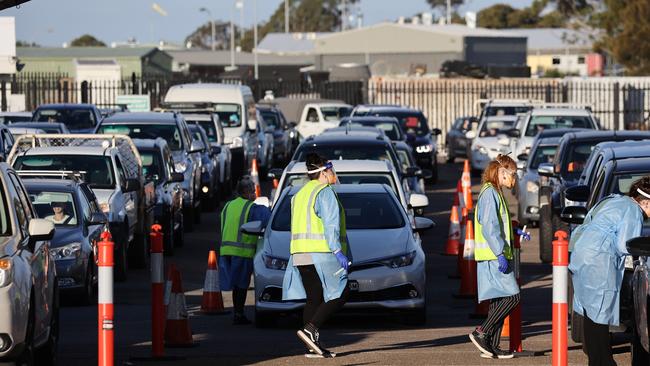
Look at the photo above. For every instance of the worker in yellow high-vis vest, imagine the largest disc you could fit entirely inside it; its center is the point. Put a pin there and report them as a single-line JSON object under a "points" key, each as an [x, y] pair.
{"points": [[318, 267], [237, 249], [493, 236]]}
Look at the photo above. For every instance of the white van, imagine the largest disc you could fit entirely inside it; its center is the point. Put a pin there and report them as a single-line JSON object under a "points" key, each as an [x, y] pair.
{"points": [[235, 106]]}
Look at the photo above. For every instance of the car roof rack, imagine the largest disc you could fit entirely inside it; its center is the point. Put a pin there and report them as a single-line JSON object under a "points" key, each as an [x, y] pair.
{"points": [[565, 105], [76, 175]]}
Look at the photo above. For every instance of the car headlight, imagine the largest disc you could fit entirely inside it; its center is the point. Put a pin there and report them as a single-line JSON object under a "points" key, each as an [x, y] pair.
{"points": [[424, 149], [180, 166], [69, 251], [292, 134], [105, 207], [6, 272], [399, 261], [275, 263], [237, 142], [568, 203], [532, 187], [481, 149], [629, 262]]}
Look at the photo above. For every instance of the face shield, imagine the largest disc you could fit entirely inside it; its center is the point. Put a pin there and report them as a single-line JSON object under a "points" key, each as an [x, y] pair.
{"points": [[328, 168]]}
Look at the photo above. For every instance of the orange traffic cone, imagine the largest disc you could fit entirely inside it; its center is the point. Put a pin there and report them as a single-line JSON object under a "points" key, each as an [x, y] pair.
{"points": [[453, 239], [212, 302], [468, 285], [466, 180], [505, 331], [255, 176], [459, 254], [459, 200], [168, 284], [177, 327]]}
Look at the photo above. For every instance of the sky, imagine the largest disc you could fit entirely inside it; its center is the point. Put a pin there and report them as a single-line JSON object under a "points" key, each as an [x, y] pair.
{"points": [[53, 22]]}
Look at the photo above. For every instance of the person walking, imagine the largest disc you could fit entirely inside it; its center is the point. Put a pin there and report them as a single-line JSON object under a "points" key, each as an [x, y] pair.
{"points": [[493, 235], [597, 264], [318, 267], [237, 249]]}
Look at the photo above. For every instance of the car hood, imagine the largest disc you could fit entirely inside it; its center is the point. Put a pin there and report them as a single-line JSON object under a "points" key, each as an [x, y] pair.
{"points": [[103, 195], [493, 143], [232, 132], [66, 235], [365, 245]]}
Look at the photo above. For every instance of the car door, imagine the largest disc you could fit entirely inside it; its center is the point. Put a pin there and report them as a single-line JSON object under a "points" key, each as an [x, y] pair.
{"points": [[89, 204], [130, 198]]}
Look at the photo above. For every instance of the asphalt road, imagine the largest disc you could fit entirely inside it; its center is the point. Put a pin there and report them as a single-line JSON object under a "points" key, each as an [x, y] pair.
{"points": [[359, 339]]}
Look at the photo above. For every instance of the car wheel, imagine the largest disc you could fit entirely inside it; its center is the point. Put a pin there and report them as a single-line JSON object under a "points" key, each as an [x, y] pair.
{"points": [[558, 224], [47, 354], [89, 294], [639, 355], [138, 253], [26, 358], [520, 216], [121, 264], [264, 320], [450, 155], [545, 234], [188, 219]]}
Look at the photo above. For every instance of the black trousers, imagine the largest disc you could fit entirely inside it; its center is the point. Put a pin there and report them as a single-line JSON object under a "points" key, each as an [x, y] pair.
{"points": [[317, 311], [239, 300], [597, 343], [499, 309]]}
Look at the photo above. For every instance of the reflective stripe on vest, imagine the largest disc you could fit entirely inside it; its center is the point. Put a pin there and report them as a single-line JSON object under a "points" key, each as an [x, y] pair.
{"points": [[482, 251], [307, 229], [233, 241]]}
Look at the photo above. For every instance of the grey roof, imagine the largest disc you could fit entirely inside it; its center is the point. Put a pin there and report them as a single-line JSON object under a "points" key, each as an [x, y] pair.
{"points": [[459, 30], [76, 52], [289, 43], [554, 39], [222, 58]]}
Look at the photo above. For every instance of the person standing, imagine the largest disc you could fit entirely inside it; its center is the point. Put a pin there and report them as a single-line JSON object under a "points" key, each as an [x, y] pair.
{"points": [[597, 264], [317, 268], [237, 249], [493, 235]]}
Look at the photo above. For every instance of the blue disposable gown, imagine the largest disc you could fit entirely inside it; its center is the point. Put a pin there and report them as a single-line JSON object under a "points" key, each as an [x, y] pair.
{"points": [[491, 282], [332, 279], [598, 259]]}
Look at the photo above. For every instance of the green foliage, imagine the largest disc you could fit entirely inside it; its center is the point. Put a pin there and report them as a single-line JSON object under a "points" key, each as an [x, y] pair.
{"points": [[627, 30], [505, 16], [202, 36], [443, 3], [87, 41], [20, 43]]}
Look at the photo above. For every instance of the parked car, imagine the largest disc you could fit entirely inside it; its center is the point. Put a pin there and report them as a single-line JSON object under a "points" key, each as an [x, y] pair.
{"points": [[456, 142], [388, 271], [389, 125], [317, 117], [416, 127], [158, 167], [640, 344], [29, 299], [51, 127], [6, 142], [265, 151], [491, 139], [414, 176], [283, 141], [19, 131], [13, 117], [506, 107], [77, 231], [110, 109], [172, 127], [209, 169], [78, 118]]}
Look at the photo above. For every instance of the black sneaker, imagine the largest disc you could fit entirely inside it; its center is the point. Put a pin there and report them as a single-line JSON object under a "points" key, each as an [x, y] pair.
{"points": [[482, 342], [240, 320], [500, 354], [309, 336], [326, 353]]}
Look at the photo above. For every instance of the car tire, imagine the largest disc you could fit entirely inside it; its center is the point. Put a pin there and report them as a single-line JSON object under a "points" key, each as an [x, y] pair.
{"points": [[264, 320], [188, 219], [416, 317], [47, 354], [639, 355], [520, 216], [138, 252], [121, 263], [89, 295], [545, 234], [27, 356], [558, 224]]}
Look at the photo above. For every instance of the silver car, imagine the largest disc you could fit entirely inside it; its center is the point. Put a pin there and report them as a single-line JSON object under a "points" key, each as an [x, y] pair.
{"points": [[388, 264], [490, 140]]}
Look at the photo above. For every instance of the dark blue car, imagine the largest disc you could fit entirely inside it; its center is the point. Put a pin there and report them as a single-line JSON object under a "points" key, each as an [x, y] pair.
{"points": [[78, 118]]}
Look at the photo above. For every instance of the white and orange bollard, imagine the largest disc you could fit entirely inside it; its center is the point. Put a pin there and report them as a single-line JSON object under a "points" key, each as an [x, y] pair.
{"points": [[157, 292], [105, 300], [560, 298]]}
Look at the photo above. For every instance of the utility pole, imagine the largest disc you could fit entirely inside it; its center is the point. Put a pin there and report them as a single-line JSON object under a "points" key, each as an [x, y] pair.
{"points": [[286, 16], [257, 71], [232, 38], [207, 11], [448, 11]]}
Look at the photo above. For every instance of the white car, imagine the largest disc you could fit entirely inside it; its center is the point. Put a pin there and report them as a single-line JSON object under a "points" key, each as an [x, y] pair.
{"points": [[490, 140], [317, 117]]}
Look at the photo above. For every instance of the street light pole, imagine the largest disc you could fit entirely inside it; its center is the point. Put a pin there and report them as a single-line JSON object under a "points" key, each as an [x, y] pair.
{"points": [[232, 38], [257, 71], [286, 16], [207, 11]]}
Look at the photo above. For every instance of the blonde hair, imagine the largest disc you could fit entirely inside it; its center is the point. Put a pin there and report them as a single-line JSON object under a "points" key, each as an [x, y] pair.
{"points": [[491, 173]]}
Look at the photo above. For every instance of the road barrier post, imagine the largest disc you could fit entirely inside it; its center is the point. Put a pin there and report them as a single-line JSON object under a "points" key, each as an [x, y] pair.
{"points": [[105, 299], [560, 295], [515, 315], [157, 292]]}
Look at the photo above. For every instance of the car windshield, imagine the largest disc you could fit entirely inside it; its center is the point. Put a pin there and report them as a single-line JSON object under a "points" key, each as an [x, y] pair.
{"points": [[543, 154], [506, 110], [208, 126], [346, 178], [494, 127], [5, 227], [229, 114], [98, 169], [7, 119], [404, 159], [147, 131], [57, 207], [363, 211], [391, 130], [346, 152], [540, 123], [152, 166], [73, 118], [576, 158], [271, 118], [335, 113], [412, 123]]}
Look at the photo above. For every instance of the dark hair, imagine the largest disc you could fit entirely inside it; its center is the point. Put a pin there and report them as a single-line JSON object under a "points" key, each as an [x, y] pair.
{"points": [[491, 173], [642, 184], [314, 161], [245, 186]]}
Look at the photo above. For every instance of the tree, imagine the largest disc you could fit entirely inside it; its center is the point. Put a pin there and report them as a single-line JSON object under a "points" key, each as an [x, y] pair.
{"points": [[504, 16], [442, 4], [20, 43], [495, 16], [202, 36], [87, 41], [627, 38]]}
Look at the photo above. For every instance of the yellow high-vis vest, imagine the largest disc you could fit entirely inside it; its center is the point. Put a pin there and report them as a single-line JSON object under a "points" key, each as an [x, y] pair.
{"points": [[233, 241], [482, 251], [307, 229]]}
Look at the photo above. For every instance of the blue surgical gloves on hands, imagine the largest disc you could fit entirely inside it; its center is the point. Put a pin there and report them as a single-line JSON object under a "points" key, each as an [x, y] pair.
{"points": [[343, 260], [503, 263], [523, 234]]}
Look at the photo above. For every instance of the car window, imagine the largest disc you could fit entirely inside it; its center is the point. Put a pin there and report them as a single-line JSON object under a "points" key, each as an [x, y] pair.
{"points": [[23, 210], [120, 170], [209, 127], [506, 110], [7, 141], [57, 207], [363, 211], [404, 159], [335, 113], [312, 115], [96, 170], [168, 132], [84, 207], [346, 178], [73, 118], [538, 124], [594, 196], [271, 118], [391, 130], [5, 226], [543, 154], [152, 166], [229, 114], [494, 127], [412, 123], [90, 197], [594, 169], [576, 158], [622, 182], [347, 152]]}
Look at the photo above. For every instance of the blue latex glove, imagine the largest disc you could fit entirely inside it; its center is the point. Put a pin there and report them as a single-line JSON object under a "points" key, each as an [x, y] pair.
{"points": [[503, 263], [343, 260], [523, 234]]}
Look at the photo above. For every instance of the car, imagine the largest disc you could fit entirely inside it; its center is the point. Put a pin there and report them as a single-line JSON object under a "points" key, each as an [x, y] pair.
{"points": [[51, 127], [457, 144], [110, 109], [19, 131], [416, 127], [413, 174], [172, 127], [316, 117], [284, 141], [456, 68], [14, 117], [158, 167], [551, 116], [74, 244], [78, 118], [491, 139], [506, 107], [29, 295], [209, 169], [6, 142], [572, 154], [265, 152], [640, 343], [112, 167], [388, 269], [389, 125]]}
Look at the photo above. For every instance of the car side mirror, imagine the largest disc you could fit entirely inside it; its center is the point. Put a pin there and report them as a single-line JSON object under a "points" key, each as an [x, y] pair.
{"points": [[97, 218], [521, 164], [574, 214], [436, 131], [417, 201], [196, 146], [252, 228], [514, 133], [470, 135], [639, 246], [216, 150], [423, 224], [131, 185], [176, 178], [577, 193], [40, 230], [522, 157], [275, 173], [252, 125], [293, 124], [546, 170], [412, 171]]}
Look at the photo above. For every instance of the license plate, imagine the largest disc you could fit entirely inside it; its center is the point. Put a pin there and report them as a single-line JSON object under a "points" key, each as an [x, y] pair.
{"points": [[353, 285]]}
